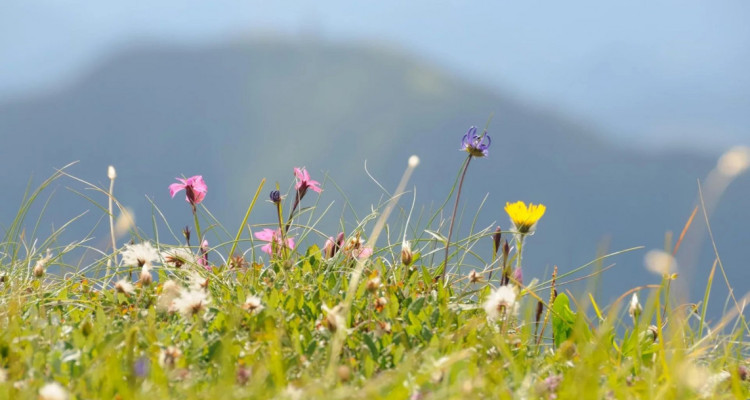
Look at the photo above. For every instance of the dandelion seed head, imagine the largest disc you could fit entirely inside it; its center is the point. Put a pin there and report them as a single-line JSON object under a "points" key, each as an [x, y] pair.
{"points": [[139, 254], [53, 391], [501, 303]]}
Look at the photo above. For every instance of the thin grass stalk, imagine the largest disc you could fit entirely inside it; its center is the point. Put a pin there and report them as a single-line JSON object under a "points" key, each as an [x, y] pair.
{"points": [[338, 340], [112, 176], [247, 215], [453, 218]]}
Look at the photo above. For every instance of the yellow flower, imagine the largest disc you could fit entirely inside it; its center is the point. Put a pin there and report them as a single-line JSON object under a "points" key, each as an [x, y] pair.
{"points": [[524, 218]]}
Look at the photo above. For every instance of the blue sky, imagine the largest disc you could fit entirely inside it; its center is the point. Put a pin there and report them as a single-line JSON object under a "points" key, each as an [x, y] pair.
{"points": [[649, 73]]}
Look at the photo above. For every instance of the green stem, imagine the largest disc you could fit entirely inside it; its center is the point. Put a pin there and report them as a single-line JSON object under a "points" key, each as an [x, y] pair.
{"points": [[453, 218], [519, 253], [244, 221], [197, 226]]}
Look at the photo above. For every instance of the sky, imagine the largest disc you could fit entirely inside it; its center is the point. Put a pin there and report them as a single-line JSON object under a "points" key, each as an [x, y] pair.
{"points": [[664, 74]]}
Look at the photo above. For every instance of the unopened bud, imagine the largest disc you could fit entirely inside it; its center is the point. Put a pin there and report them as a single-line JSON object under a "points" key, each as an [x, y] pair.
{"points": [[329, 249], [742, 372], [344, 373], [111, 173], [41, 265], [87, 327], [38, 270], [635, 307], [506, 249], [275, 196], [406, 255], [373, 284], [518, 276], [496, 239]]}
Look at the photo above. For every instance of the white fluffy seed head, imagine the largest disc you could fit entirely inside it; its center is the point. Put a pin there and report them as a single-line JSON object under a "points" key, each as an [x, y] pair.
{"points": [[413, 161], [53, 391], [111, 173]]}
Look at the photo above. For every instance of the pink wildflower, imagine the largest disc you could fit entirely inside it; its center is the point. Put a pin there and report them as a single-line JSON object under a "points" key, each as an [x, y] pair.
{"points": [[304, 182], [362, 252], [357, 248], [274, 239], [195, 189]]}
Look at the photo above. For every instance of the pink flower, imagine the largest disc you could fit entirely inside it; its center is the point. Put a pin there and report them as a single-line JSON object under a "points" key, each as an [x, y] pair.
{"points": [[195, 189], [273, 237], [304, 182], [362, 252], [357, 248]]}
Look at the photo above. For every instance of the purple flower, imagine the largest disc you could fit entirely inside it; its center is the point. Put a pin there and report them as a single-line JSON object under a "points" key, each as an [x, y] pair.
{"points": [[275, 197], [475, 144]]}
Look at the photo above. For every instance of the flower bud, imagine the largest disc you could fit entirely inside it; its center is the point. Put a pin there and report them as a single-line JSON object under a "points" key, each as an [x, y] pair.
{"points": [[344, 373], [329, 249], [38, 270], [406, 255], [518, 276], [635, 307], [275, 196], [496, 239], [111, 173], [373, 285]]}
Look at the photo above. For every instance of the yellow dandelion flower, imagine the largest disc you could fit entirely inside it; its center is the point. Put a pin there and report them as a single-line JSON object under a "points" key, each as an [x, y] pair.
{"points": [[524, 218]]}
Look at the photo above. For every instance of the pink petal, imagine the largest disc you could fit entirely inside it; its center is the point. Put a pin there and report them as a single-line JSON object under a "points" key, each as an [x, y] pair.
{"points": [[198, 184], [290, 243], [364, 252], [199, 196], [313, 185], [267, 249], [174, 188], [265, 235]]}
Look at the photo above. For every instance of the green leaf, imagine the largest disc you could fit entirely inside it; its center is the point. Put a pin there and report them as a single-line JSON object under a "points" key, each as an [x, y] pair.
{"points": [[563, 319]]}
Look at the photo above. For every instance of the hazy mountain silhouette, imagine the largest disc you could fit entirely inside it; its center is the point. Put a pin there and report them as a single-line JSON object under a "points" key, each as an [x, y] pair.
{"points": [[241, 111]]}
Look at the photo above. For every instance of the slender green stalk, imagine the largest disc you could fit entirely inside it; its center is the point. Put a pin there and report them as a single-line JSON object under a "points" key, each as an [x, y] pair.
{"points": [[112, 175], [244, 220], [338, 340], [453, 218], [197, 227]]}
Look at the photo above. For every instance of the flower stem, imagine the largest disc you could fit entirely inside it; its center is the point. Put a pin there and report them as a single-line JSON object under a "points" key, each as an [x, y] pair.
{"points": [[297, 198], [519, 254], [111, 227], [453, 218], [197, 226]]}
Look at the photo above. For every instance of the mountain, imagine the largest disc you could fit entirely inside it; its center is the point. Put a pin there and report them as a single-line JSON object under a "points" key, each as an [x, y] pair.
{"points": [[240, 111]]}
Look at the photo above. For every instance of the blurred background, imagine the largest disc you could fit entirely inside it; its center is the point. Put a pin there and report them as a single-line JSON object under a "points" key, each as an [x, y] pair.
{"points": [[607, 113]]}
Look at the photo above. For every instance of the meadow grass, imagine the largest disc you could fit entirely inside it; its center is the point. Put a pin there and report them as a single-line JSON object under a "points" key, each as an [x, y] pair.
{"points": [[361, 315]]}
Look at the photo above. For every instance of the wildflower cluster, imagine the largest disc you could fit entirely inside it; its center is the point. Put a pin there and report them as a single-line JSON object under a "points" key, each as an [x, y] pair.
{"points": [[299, 311]]}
